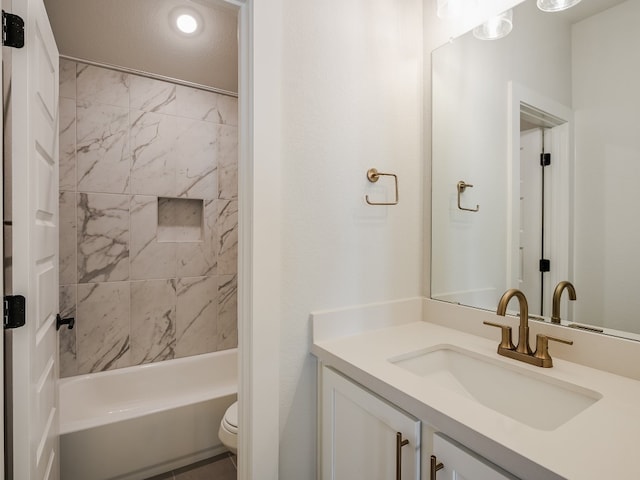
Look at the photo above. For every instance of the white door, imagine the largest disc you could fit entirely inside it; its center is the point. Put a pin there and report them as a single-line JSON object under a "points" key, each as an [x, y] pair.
{"points": [[360, 434], [543, 222], [2, 266], [35, 239], [530, 217], [460, 463]]}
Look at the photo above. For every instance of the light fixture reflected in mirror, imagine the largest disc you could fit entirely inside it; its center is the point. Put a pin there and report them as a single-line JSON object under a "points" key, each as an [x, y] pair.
{"points": [[496, 27], [556, 5]]}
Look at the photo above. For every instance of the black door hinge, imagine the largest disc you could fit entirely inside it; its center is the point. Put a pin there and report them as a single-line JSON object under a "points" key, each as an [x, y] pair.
{"points": [[545, 265], [15, 308], [545, 159], [12, 30]]}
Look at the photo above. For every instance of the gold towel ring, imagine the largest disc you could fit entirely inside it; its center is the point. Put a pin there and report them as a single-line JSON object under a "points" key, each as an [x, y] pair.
{"points": [[462, 186], [373, 176]]}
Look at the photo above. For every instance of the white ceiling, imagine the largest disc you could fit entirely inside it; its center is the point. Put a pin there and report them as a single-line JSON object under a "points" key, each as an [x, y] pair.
{"points": [[137, 34]]}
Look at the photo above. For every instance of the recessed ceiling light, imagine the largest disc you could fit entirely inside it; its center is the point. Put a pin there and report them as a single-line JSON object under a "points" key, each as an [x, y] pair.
{"points": [[187, 23]]}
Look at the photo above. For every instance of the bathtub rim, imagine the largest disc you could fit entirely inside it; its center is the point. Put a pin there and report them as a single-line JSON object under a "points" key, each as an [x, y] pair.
{"points": [[227, 388]]}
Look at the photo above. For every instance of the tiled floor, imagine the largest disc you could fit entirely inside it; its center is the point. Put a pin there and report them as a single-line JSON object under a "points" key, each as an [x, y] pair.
{"points": [[222, 467]]}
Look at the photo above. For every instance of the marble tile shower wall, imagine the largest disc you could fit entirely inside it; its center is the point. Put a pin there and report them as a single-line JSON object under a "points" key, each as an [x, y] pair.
{"points": [[126, 140]]}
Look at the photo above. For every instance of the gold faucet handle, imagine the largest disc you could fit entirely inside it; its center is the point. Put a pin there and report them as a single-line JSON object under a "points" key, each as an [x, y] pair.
{"points": [[542, 348], [505, 342]]}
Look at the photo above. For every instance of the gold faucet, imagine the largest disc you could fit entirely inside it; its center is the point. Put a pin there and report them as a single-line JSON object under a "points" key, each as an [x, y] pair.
{"points": [[557, 293], [522, 351], [523, 330]]}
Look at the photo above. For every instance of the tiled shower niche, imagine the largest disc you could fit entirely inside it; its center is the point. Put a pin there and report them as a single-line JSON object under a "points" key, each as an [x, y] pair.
{"points": [[180, 220], [148, 219]]}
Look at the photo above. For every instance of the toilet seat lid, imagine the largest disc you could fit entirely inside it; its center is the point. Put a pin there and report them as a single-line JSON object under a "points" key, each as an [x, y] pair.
{"points": [[230, 419]]}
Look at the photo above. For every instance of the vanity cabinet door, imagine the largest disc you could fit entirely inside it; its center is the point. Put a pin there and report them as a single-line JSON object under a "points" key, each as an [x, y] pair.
{"points": [[460, 463], [359, 434]]}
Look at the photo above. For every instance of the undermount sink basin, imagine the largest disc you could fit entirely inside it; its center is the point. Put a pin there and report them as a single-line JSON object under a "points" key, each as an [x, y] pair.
{"points": [[534, 399]]}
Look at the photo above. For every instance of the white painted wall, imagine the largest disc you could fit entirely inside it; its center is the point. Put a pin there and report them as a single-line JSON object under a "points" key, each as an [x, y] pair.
{"points": [[352, 100], [469, 262], [606, 104]]}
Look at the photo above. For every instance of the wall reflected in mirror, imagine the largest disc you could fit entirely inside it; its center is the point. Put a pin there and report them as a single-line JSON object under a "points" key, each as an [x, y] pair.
{"points": [[561, 88]]}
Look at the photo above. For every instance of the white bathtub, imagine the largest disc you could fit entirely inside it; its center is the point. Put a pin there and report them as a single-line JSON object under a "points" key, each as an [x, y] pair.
{"points": [[136, 422]]}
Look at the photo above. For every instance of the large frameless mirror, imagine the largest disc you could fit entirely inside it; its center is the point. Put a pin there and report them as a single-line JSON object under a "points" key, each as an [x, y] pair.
{"points": [[536, 164]]}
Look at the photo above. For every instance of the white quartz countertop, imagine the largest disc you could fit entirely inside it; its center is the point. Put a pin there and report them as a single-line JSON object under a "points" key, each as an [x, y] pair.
{"points": [[600, 442]]}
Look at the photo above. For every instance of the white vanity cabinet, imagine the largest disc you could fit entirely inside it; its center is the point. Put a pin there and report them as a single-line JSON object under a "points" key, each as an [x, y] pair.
{"points": [[460, 463], [360, 434], [359, 440]]}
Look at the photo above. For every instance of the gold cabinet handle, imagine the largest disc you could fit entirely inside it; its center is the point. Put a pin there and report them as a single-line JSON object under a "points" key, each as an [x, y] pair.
{"points": [[435, 466], [462, 186], [399, 444], [373, 176]]}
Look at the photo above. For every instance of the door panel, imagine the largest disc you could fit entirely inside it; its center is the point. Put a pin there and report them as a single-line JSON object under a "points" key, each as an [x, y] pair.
{"points": [[460, 463], [530, 217], [359, 434], [35, 239], [3, 381]]}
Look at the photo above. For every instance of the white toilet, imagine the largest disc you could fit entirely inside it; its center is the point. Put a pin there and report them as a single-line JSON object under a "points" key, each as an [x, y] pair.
{"points": [[228, 432]]}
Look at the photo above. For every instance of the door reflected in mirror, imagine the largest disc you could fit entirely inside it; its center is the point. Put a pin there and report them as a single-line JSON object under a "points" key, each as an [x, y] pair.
{"points": [[544, 124]]}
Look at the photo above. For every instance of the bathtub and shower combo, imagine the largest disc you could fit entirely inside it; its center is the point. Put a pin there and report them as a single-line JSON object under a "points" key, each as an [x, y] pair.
{"points": [[137, 422]]}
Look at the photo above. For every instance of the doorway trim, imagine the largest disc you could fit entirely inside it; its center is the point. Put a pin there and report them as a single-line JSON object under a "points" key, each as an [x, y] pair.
{"points": [[259, 251], [561, 187]]}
